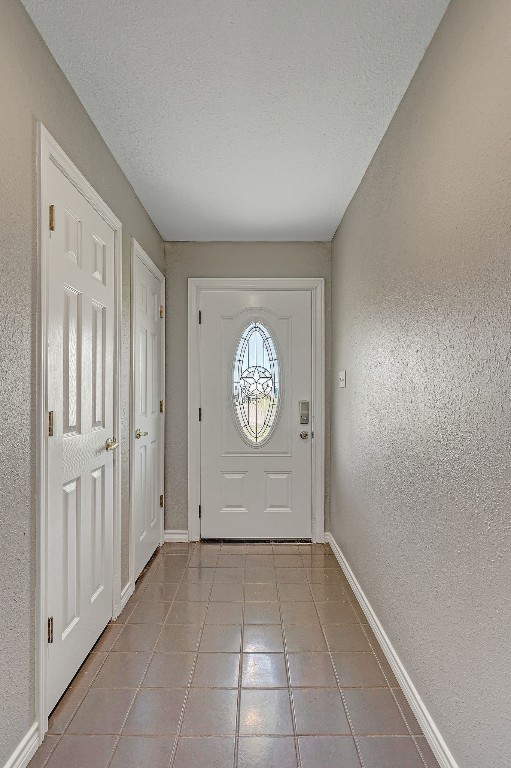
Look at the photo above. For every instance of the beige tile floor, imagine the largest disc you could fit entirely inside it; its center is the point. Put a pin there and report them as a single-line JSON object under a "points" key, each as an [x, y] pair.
{"points": [[236, 656]]}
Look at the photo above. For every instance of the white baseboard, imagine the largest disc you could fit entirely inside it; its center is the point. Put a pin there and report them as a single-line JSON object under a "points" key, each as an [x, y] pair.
{"points": [[171, 535], [431, 732], [25, 750], [126, 593]]}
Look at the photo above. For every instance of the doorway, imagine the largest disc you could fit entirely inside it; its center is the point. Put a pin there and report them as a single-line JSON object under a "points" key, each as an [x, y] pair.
{"points": [[256, 404]]}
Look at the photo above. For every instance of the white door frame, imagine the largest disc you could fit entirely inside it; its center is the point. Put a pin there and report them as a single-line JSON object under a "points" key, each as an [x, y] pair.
{"points": [[50, 152], [316, 287], [137, 252]]}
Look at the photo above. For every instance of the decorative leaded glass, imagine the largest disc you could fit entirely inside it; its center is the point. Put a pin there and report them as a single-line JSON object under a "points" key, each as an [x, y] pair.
{"points": [[255, 384]]}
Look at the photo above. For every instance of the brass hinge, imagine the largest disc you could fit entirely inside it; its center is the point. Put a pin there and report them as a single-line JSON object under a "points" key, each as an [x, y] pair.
{"points": [[50, 423], [200, 414], [50, 629], [200, 511], [200, 317], [52, 218], [162, 406], [162, 501], [162, 310]]}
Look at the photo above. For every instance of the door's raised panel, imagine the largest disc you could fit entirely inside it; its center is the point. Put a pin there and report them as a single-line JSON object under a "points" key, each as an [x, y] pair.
{"points": [[142, 297], [97, 532], [151, 482], [142, 487], [73, 236], [234, 491], [142, 372], [71, 534], [99, 259], [278, 491], [72, 363], [153, 373], [155, 305], [98, 365]]}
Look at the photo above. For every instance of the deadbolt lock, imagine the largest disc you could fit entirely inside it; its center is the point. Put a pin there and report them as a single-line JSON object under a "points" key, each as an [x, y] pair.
{"points": [[303, 407]]}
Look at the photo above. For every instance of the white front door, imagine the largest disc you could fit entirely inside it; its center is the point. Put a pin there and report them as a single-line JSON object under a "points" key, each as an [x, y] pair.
{"points": [[80, 383], [148, 329], [255, 371]]}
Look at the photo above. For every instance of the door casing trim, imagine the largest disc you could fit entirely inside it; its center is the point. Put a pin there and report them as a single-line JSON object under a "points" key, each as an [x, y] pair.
{"points": [[316, 287], [50, 152], [137, 252]]}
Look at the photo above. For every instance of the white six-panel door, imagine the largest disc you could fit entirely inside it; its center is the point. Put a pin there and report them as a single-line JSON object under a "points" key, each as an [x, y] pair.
{"points": [[80, 387], [255, 369], [148, 330]]}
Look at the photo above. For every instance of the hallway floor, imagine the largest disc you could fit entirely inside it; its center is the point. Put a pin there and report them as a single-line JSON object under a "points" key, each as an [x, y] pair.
{"points": [[247, 656]]}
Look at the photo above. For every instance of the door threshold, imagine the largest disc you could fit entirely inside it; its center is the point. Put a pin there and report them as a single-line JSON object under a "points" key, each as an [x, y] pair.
{"points": [[256, 541]]}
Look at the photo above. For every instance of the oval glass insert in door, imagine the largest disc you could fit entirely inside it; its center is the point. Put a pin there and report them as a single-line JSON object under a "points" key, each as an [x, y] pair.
{"points": [[256, 385]]}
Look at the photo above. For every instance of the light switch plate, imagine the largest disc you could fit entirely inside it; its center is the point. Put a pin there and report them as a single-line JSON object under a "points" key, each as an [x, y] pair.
{"points": [[342, 379]]}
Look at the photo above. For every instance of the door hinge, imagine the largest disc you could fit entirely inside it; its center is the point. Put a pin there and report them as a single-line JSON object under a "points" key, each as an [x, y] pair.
{"points": [[50, 629], [52, 218], [162, 406], [200, 414], [200, 511], [200, 317], [162, 310], [50, 423], [162, 500]]}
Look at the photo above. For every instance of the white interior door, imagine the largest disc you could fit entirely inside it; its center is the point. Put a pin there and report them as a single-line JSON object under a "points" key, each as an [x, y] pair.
{"points": [[255, 370], [148, 330], [80, 385]]}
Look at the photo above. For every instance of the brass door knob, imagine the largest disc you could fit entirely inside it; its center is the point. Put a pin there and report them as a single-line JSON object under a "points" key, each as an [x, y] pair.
{"points": [[139, 433], [304, 435], [111, 444]]}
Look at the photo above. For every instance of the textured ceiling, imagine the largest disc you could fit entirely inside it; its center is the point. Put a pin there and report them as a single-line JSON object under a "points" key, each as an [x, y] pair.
{"points": [[240, 119]]}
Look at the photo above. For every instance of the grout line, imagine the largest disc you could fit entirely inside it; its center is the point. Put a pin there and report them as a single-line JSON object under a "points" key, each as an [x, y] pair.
{"points": [[89, 686], [343, 699], [288, 675], [87, 689], [240, 674], [391, 689], [194, 664], [194, 549], [354, 603], [107, 654], [151, 656]]}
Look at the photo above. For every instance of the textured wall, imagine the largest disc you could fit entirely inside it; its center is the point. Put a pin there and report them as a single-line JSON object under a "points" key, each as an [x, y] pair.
{"points": [[184, 260], [421, 294], [33, 88]]}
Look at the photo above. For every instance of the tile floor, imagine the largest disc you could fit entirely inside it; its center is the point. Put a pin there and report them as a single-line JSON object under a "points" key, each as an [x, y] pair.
{"points": [[236, 656]]}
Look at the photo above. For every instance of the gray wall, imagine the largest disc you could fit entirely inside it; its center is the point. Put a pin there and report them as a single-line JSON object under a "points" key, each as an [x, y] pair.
{"points": [[33, 88], [421, 294], [184, 260]]}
